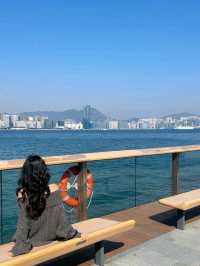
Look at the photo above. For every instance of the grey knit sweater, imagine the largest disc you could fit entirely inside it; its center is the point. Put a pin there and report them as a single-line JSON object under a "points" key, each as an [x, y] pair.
{"points": [[51, 225]]}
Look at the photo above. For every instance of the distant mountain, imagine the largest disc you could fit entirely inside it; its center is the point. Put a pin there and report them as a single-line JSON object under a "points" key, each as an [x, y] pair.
{"points": [[179, 115], [76, 115]]}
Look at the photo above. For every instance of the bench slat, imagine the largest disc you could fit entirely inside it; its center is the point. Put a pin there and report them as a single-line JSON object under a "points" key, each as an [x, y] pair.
{"points": [[93, 225], [99, 230], [183, 201]]}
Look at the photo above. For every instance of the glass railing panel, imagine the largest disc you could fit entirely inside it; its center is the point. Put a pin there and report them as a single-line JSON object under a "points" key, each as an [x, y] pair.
{"points": [[114, 188], [189, 173], [153, 178], [10, 210], [1, 206]]}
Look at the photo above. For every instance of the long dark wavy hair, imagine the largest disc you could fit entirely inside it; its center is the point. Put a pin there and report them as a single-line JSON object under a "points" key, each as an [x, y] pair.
{"points": [[33, 185]]}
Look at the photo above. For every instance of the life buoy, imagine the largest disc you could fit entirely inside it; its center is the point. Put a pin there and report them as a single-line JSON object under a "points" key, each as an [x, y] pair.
{"points": [[64, 185]]}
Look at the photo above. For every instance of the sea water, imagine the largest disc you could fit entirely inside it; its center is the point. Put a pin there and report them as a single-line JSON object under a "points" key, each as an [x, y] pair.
{"points": [[119, 184]]}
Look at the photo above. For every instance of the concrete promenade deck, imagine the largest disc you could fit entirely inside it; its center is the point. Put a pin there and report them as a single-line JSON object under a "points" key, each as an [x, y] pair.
{"points": [[176, 248], [153, 221]]}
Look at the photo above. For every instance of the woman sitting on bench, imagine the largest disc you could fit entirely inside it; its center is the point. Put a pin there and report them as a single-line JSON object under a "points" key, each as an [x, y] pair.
{"points": [[41, 215]]}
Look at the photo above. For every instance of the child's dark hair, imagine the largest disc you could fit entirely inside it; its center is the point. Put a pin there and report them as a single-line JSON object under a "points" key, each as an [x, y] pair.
{"points": [[33, 185]]}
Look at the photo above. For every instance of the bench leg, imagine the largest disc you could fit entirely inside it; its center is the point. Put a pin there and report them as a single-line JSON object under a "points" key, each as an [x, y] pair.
{"points": [[99, 254], [180, 219]]}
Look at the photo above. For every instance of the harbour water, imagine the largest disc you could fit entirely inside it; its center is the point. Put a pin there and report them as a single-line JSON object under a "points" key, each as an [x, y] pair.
{"points": [[119, 184]]}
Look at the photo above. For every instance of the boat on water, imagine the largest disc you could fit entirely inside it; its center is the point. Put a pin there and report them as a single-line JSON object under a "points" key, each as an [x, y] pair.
{"points": [[184, 127]]}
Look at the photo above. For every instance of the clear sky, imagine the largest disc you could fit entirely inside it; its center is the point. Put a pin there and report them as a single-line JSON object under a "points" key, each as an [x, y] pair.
{"points": [[127, 58]]}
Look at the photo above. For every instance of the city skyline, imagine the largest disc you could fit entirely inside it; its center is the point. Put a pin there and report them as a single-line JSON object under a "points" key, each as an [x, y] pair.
{"points": [[91, 118]]}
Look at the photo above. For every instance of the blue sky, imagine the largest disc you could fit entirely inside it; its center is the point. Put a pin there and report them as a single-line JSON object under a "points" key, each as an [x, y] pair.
{"points": [[127, 58]]}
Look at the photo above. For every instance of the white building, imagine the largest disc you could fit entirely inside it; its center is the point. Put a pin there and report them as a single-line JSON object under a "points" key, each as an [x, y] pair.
{"points": [[30, 124], [21, 124], [39, 124], [40, 121], [5, 118], [2, 124], [170, 120], [132, 125], [113, 124], [71, 124], [13, 119], [151, 123]]}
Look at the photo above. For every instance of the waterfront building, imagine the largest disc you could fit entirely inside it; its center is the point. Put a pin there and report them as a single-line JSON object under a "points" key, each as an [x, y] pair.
{"points": [[123, 124], [150, 122], [60, 124], [49, 124], [170, 120], [132, 124], [99, 124], [27, 122], [39, 121], [21, 124], [142, 124], [45, 122], [5, 118], [13, 119], [86, 124], [86, 121], [87, 112], [22, 117], [30, 124], [39, 124], [145, 123], [113, 124], [2, 124], [71, 124]]}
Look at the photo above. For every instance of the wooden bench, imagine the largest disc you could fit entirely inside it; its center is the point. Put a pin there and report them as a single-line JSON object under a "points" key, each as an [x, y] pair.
{"points": [[94, 232], [182, 202]]}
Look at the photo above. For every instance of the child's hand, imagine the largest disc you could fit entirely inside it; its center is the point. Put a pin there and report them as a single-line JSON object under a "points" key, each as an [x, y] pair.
{"points": [[78, 235], [81, 235]]}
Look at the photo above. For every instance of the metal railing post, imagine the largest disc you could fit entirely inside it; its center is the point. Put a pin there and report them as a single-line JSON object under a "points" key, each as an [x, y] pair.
{"points": [[82, 192], [175, 173], [1, 205], [135, 181]]}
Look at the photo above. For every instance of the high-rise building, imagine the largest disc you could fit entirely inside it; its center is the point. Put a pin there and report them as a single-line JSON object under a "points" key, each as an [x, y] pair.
{"points": [[87, 117], [6, 120], [60, 124], [123, 124], [133, 124], [87, 112], [13, 119], [46, 122]]}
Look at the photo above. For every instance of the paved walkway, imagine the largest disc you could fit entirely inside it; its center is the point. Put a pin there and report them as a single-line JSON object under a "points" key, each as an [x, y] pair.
{"points": [[176, 248], [152, 221]]}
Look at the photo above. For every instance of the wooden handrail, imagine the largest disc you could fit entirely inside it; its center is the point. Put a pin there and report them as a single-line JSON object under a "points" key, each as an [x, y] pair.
{"points": [[97, 156]]}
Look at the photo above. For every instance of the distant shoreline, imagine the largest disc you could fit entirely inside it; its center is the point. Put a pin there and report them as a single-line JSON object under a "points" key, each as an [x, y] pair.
{"points": [[96, 129]]}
